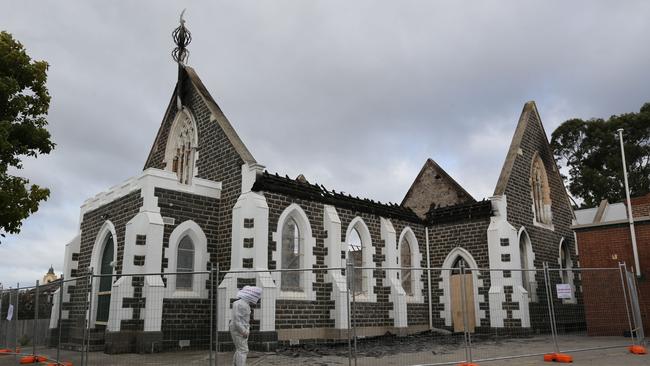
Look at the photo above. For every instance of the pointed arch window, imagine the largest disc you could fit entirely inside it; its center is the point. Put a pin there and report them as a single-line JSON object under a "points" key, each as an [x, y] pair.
{"points": [[565, 262], [541, 192], [355, 254], [180, 154], [185, 264], [406, 263], [526, 261], [291, 252]]}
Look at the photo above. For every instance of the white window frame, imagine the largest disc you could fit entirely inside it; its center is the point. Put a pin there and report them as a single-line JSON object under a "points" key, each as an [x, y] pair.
{"points": [[201, 257], [568, 269], [307, 260], [170, 153], [536, 221], [95, 262], [408, 236], [530, 261], [367, 251]]}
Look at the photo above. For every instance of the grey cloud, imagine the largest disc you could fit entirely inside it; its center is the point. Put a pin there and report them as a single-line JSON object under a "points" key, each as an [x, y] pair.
{"points": [[355, 95]]}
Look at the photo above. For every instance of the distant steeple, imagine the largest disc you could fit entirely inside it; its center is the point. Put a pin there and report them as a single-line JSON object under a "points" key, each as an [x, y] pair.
{"points": [[50, 276]]}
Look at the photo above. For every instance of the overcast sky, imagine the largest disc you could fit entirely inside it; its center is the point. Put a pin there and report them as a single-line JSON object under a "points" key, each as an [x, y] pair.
{"points": [[355, 95]]}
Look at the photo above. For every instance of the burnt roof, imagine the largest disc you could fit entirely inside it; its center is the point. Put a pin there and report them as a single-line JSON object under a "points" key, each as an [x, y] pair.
{"points": [[314, 192], [462, 211]]}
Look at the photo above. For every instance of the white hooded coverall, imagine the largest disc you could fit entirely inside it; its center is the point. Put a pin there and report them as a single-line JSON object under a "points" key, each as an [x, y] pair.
{"points": [[240, 322]]}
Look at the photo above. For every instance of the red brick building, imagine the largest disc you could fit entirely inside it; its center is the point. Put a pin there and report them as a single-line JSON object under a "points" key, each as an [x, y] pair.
{"points": [[603, 237]]}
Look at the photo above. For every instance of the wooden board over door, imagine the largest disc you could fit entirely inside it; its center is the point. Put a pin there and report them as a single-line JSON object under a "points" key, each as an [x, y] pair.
{"points": [[457, 302]]}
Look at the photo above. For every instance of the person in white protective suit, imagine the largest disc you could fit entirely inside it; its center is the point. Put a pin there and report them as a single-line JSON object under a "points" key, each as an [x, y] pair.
{"points": [[240, 322]]}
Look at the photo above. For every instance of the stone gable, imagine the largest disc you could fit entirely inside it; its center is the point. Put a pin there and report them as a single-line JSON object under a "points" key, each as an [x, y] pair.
{"points": [[433, 187]]}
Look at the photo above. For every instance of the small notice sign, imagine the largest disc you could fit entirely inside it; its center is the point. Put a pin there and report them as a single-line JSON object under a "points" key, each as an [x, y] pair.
{"points": [[563, 291], [10, 312]]}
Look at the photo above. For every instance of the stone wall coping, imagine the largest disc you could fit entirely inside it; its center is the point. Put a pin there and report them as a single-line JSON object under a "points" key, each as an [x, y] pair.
{"points": [[149, 179]]}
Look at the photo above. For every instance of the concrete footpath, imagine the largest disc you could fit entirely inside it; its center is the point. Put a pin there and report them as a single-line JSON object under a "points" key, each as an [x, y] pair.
{"points": [[433, 353]]}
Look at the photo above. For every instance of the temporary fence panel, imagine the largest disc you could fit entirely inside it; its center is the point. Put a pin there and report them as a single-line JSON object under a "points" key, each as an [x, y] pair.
{"points": [[511, 312], [163, 318], [302, 314], [348, 315], [394, 321], [590, 308], [637, 319]]}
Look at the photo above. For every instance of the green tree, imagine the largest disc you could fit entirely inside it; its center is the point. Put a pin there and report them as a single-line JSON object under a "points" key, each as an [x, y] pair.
{"points": [[24, 102], [591, 151]]}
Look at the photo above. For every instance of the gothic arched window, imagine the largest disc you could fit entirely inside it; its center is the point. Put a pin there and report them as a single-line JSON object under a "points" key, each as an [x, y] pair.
{"points": [[291, 252], [406, 273], [185, 264], [355, 254], [180, 153], [565, 262], [541, 192]]}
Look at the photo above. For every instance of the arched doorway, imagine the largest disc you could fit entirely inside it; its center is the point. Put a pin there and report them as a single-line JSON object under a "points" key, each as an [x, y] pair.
{"points": [[462, 296], [105, 281]]}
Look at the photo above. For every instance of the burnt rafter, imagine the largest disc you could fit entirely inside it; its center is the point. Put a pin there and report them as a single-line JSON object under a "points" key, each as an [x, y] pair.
{"points": [[455, 213], [315, 192]]}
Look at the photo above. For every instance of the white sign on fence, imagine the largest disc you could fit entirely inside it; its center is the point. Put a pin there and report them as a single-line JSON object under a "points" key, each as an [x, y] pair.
{"points": [[10, 312], [564, 291]]}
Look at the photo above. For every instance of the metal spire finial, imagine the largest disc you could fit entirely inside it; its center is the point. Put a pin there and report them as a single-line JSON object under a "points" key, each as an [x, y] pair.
{"points": [[182, 37]]}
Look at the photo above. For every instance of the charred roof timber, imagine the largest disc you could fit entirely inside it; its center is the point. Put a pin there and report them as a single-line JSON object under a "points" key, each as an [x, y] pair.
{"points": [[460, 212], [314, 192]]}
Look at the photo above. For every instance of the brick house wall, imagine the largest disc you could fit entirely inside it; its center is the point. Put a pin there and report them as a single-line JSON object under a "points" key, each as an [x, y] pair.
{"points": [[605, 246]]}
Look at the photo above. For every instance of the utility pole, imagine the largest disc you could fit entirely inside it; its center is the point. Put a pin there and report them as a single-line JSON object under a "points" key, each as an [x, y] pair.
{"points": [[637, 268]]}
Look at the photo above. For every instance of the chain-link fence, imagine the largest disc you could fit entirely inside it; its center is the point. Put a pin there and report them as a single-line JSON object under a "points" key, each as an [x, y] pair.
{"points": [[348, 315]]}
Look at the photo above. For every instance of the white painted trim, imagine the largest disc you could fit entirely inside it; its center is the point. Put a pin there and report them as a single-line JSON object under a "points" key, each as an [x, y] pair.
{"points": [[201, 257], [537, 223], [95, 263], [332, 225], [409, 237], [307, 260], [499, 229], [146, 182], [444, 284], [397, 296], [168, 156], [368, 250], [530, 260], [570, 274]]}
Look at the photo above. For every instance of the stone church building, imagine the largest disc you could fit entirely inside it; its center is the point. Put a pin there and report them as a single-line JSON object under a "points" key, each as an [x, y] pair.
{"points": [[203, 199]]}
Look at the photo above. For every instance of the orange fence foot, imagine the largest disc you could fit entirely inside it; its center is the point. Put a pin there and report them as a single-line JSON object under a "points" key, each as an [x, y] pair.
{"points": [[558, 357], [468, 364], [563, 358], [638, 350], [6, 352], [549, 357], [27, 359]]}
